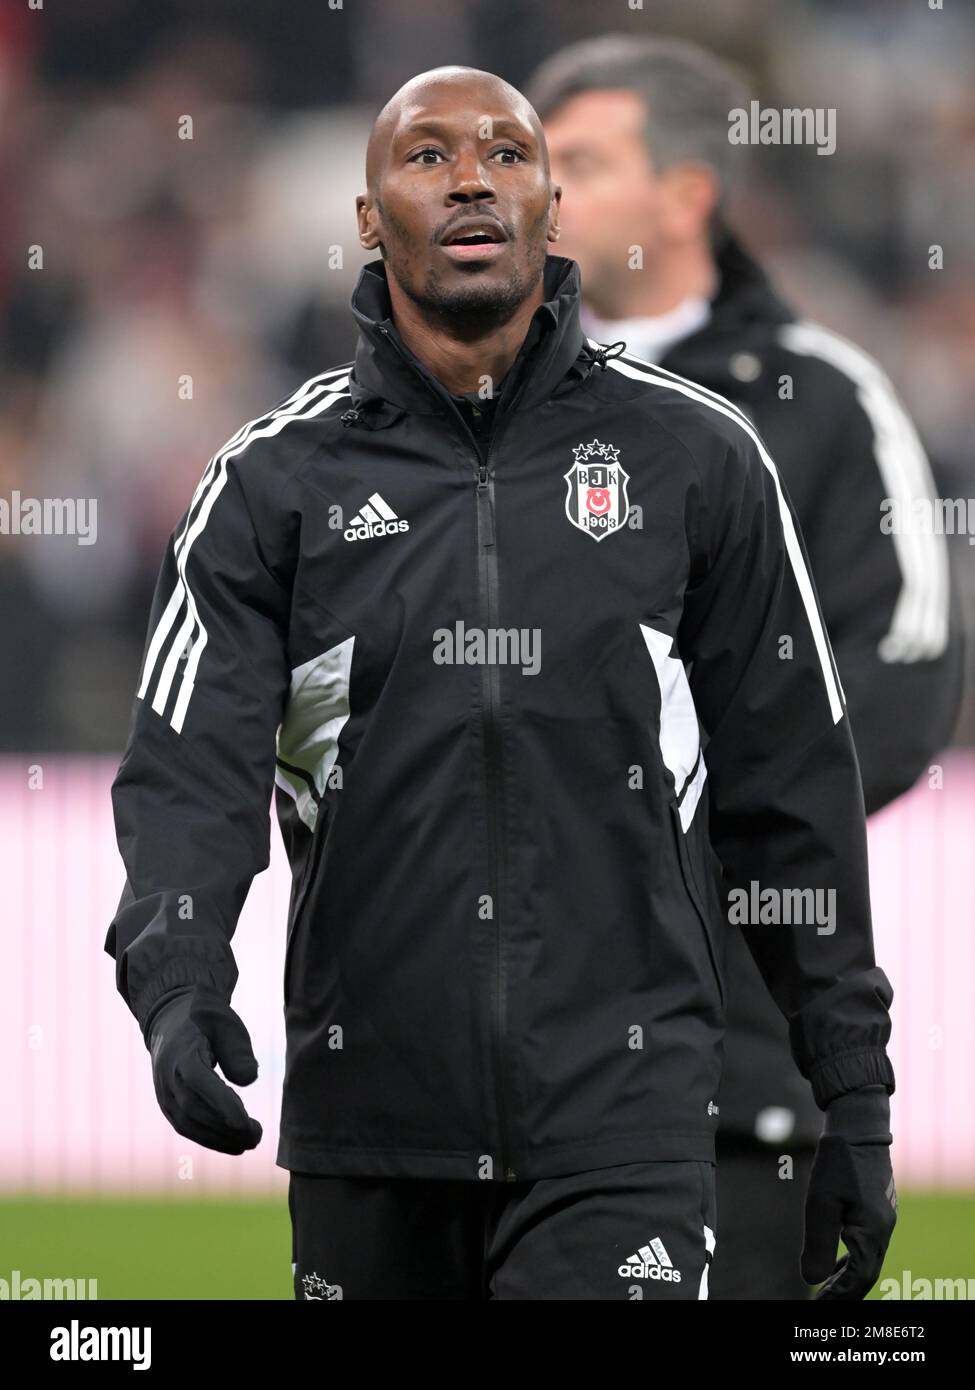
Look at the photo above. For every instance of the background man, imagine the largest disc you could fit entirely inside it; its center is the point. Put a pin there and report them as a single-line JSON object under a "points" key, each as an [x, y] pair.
{"points": [[637, 130]]}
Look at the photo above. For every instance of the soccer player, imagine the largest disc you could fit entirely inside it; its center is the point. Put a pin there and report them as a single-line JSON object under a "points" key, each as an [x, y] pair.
{"points": [[637, 131], [501, 617]]}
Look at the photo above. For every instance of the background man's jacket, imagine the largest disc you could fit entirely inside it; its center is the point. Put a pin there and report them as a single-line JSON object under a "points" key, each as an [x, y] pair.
{"points": [[842, 442], [506, 930]]}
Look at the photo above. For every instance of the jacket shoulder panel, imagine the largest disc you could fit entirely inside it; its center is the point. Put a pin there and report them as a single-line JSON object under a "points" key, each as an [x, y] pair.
{"points": [[712, 429], [877, 449], [266, 451], [846, 370], [733, 462], [835, 371], [844, 360]]}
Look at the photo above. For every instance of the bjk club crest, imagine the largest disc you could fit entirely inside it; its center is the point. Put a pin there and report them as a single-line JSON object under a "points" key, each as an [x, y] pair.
{"points": [[596, 499]]}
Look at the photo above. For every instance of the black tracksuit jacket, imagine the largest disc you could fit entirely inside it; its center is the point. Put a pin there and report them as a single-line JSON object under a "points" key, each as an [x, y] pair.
{"points": [[842, 442], [529, 719]]}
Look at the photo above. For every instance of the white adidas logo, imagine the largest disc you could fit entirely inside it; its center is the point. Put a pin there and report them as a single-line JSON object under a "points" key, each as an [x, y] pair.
{"points": [[375, 518], [651, 1261]]}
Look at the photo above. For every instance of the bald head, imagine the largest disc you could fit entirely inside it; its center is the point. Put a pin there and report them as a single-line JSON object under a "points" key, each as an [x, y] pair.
{"points": [[483, 93]]}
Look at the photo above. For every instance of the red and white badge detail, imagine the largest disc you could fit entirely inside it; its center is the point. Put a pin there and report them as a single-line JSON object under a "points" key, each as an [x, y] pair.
{"points": [[596, 499]]}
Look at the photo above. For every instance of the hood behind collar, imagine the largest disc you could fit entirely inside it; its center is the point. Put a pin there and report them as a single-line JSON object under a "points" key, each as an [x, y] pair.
{"points": [[730, 353], [745, 294]]}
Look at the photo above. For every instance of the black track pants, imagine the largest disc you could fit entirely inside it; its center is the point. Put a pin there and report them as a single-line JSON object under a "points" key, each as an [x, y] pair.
{"points": [[640, 1230]]}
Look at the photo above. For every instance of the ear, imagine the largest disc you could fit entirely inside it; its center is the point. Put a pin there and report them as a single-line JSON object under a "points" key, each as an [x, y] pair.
{"points": [[690, 195], [368, 220], [554, 230]]}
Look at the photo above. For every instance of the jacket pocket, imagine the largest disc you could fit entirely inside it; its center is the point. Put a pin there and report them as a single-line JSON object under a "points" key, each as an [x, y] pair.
{"points": [[697, 896]]}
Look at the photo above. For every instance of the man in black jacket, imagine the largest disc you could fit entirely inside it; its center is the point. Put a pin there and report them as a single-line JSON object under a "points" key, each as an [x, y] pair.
{"points": [[638, 136], [501, 614]]}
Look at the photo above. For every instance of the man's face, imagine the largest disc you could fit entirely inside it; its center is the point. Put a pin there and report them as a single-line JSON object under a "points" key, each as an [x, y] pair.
{"points": [[458, 155], [613, 199]]}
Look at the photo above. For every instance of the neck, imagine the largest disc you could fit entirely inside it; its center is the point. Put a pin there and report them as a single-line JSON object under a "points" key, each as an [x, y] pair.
{"points": [[460, 353], [673, 276]]}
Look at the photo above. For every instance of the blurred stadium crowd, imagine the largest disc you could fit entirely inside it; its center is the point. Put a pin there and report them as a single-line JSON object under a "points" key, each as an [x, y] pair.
{"points": [[188, 283]]}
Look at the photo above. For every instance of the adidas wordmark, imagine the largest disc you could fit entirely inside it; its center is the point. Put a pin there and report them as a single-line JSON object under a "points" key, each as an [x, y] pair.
{"points": [[375, 518]]}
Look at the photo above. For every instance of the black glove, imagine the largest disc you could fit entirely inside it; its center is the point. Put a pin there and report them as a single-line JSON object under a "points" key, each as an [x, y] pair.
{"points": [[188, 1033], [851, 1195]]}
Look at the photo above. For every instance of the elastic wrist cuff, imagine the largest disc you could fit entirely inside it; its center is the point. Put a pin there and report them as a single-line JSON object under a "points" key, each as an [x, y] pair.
{"points": [[863, 1114]]}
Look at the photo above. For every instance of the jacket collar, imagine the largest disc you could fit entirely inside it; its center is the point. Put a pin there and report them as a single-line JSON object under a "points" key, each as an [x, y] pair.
{"points": [[386, 369], [732, 349], [745, 293]]}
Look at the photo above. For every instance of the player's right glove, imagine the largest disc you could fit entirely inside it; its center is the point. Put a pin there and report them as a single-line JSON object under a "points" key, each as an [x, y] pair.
{"points": [[851, 1194], [187, 1034]]}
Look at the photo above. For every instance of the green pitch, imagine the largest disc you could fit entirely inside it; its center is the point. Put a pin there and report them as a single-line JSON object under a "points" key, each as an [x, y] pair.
{"points": [[240, 1249], [140, 1248]]}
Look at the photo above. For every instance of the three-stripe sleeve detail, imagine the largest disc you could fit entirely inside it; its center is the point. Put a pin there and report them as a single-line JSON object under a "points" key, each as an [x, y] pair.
{"points": [[166, 646]]}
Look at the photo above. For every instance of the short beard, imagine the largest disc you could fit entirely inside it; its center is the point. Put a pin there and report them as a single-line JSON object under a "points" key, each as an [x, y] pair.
{"points": [[470, 310]]}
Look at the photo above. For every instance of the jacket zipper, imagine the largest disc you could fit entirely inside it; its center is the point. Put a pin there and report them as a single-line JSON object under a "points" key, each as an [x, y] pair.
{"points": [[487, 593], [487, 573]]}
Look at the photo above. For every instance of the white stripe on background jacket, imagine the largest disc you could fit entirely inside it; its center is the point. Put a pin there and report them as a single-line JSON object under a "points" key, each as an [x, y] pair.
{"points": [[849, 456]]}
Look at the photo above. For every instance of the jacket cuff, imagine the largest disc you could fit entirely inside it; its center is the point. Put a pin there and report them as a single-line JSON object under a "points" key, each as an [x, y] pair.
{"points": [[860, 1117], [175, 974], [849, 1071]]}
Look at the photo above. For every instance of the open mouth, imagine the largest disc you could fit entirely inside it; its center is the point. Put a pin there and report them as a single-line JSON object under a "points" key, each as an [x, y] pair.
{"points": [[473, 239], [474, 229], [474, 243]]}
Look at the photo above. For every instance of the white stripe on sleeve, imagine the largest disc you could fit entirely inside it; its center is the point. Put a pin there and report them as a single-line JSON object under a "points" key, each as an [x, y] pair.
{"points": [[303, 404]]}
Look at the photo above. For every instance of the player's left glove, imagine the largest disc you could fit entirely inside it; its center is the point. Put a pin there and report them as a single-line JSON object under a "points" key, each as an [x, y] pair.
{"points": [[851, 1195], [189, 1032]]}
